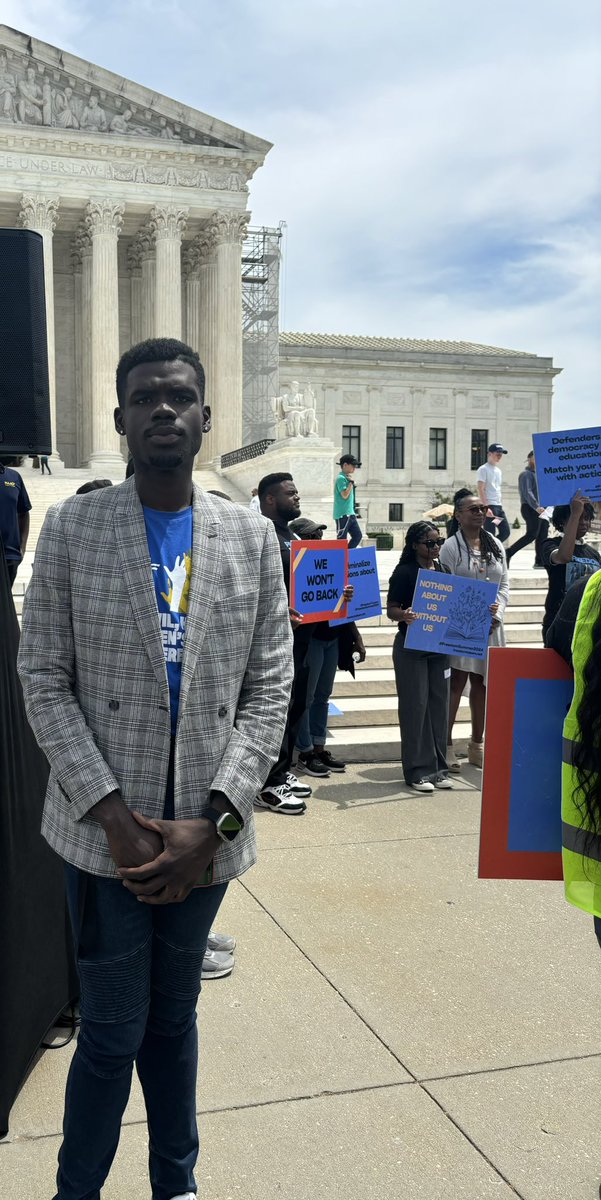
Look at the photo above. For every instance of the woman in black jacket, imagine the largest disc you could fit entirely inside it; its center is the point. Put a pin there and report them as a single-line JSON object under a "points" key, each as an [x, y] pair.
{"points": [[422, 678]]}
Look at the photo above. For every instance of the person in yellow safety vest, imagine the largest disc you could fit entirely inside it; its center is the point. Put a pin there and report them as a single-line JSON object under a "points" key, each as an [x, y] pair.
{"points": [[581, 771]]}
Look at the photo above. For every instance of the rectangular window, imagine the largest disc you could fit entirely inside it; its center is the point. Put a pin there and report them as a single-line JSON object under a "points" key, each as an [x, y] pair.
{"points": [[351, 440], [438, 449], [479, 448], [395, 447], [395, 512]]}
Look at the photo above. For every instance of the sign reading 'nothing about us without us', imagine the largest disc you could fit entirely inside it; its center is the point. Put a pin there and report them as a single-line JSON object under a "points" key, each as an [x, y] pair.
{"points": [[452, 614]]}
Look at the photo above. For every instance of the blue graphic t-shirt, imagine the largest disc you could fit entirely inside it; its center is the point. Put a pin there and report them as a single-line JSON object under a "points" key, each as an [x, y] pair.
{"points": [[169, 537]]}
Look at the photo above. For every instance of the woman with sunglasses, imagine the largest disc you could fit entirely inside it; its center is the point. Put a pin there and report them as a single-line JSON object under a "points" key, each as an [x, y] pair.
{"points": [[422, 681], [476, 554]]}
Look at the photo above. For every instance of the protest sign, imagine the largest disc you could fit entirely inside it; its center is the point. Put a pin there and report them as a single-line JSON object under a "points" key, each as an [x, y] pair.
{"points": [[528, 693], [363, 574], [566, 460], [453, 614], [318, 577]]}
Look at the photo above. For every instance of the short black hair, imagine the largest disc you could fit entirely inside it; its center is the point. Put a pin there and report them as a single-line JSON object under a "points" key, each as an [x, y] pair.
{"points": [[269, 482], [561, 513], [157, 350], [92, 485]]}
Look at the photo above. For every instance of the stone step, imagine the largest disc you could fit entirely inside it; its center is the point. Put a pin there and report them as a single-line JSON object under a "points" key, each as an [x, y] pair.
{"points": [[359, 710], [381, 743]]}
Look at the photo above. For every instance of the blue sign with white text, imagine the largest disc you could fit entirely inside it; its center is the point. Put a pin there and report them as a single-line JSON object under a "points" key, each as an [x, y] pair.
{"points": [[452, 614], [566, 460], [363, 574]]}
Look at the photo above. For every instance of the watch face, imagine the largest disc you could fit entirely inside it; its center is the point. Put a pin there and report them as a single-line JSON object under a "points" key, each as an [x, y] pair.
{"points": [[228, 826]]}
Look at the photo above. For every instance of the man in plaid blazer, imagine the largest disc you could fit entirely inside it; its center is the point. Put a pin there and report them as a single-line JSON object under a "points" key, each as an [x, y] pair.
{"points": [[156, 664]]}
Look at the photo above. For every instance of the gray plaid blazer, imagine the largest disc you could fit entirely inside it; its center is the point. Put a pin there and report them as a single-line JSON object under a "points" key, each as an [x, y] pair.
{"points": [[93, 670]]}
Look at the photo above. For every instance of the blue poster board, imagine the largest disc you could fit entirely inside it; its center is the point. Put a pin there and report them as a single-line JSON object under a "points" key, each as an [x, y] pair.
{"points": [[318, 577], [363, 574], [453, 614], [527, 695], [566, 460], [540, 707]]}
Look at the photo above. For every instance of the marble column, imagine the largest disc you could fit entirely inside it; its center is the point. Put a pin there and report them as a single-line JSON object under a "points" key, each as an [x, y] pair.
{"points": [[76, 259], [227, 232], [207, 329], [148, 268], [167, 225], [82, 260], [134, 259], [191, 271], [40, 213], [104, 219]]}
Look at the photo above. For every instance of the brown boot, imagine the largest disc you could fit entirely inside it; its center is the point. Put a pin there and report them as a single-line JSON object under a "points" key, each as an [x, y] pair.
{"points": [[475, 753]]}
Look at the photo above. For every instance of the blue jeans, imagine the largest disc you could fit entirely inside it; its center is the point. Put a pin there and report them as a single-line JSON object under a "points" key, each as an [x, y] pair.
{"points": [[349, 527], [139, 969], [322, 660]]}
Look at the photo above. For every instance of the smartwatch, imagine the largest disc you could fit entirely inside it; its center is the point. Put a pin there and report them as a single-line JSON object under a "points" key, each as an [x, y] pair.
{"points": [[226, 824]]}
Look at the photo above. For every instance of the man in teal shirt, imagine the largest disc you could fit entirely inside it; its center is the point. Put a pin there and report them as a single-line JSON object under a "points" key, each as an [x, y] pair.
{"points": [[347, 525]]}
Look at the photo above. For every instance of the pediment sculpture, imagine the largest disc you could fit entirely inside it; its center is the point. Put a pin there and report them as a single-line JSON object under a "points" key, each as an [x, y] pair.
{"points": [[34, 94]]}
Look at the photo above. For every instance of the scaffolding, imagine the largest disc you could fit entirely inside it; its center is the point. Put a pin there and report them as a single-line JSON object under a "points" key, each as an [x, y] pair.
{"points": [[260, 326]]}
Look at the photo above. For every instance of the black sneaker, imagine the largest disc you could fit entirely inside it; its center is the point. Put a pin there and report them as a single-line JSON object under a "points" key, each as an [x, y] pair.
{"points": [[313, 765], [328, 760]]}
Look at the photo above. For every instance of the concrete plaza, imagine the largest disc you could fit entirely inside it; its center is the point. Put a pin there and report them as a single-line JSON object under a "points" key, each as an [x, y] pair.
{"points": [[394, 1027]]}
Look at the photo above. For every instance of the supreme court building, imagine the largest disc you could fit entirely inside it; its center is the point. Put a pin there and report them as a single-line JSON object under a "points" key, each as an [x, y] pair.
{"points": [[142, 206]]}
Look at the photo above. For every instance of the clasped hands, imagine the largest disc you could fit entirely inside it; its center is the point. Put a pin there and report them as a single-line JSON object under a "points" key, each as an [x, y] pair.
{"points": [[159, 862]]}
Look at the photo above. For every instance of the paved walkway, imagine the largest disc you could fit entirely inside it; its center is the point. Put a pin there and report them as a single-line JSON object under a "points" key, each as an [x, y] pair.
{"points": [[394, 1028]]}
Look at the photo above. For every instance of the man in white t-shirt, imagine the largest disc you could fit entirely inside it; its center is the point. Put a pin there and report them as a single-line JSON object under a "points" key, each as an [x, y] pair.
{"points": [[489, 479]]}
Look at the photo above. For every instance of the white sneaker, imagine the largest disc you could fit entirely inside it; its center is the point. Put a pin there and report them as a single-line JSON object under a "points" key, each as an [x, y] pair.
{"points": [[281, 799], [221, 941], [423, 785], [216, 964], [185, 1196], [302, 790], [444, 783]]}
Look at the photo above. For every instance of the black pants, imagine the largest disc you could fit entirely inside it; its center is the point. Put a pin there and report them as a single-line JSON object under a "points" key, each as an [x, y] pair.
{"points": [[536, 531], [296, 710], [502, 531], [422, 684], [13, 567]]}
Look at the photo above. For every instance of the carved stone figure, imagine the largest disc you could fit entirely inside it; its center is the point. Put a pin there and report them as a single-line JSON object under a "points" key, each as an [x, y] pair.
{"points": [[295, 412], [64, 110], [8, 91], [120, 124], [93, 116], [167, 132], [30, 103], [46, 103]]}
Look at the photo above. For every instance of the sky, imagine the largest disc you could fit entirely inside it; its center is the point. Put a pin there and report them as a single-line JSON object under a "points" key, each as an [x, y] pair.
{"points": [[437, 163]]}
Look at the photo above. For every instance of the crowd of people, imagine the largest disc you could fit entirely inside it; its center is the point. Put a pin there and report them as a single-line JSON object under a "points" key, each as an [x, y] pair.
{"points": [[177, 693]]}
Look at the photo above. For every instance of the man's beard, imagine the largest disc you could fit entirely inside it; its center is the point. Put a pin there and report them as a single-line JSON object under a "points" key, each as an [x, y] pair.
{"points": [[166, 460]]}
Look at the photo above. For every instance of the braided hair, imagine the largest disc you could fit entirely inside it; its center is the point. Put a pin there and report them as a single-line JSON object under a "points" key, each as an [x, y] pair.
{"points": [[490, 547], [416, 533]]}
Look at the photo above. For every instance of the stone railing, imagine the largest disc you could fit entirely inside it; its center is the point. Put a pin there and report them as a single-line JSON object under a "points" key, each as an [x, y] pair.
{"points": [[255, 450]]}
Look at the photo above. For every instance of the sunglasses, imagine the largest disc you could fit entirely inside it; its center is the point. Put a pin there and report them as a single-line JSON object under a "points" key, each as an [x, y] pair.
{"points": [[477, 508], [433, 542]]}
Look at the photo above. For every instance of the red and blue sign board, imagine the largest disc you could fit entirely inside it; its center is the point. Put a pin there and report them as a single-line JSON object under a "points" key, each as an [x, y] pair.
{"points": [[318, 577], [528, 695]]}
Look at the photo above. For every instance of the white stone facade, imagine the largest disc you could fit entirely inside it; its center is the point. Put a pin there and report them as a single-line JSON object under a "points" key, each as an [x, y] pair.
{"points": [[141, 203], [378, 384]]}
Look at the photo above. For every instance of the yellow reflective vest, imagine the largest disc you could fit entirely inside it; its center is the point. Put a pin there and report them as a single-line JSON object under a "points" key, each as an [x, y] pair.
{"points": [[581, 850]]}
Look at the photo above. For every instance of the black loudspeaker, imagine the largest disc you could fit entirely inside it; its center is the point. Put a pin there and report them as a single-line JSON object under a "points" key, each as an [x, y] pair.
{"points": [[24, 391]]}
